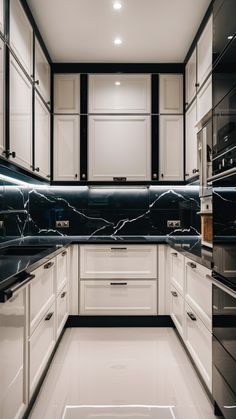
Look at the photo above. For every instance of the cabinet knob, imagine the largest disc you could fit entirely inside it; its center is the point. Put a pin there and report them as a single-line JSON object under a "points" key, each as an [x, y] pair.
{"points": [[162, 175], [63, 294], [36, 82], [76, 175], [174, 293], [191, 315], [48, 103], [186, 174], [48, 316], [37, 169], [192, 265], [48, 265], [13, 154], [197, 84], [195, 170]]}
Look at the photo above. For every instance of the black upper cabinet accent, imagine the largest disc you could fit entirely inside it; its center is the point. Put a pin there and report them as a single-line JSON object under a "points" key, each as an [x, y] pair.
{"points": [[224, 25]]}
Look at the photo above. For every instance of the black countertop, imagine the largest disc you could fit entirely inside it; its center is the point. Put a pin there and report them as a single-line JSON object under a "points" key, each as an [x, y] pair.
{"points": [[11, 266]]}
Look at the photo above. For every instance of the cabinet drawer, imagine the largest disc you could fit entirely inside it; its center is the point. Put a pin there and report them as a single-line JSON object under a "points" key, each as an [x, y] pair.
{"points": [[177, 309], [198, 340], [118, 297], [41, 292], [123, 261], [198, 291], [61, 270], [177, 270], [62, 309], [41, 345]]}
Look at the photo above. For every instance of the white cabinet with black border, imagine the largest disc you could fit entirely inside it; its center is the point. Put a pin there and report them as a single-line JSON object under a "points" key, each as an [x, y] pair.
{"points": [[2, 139], [191, 78], [67, 93], [171, 94], [171, 148], [191, 166], [204, 53], [42, 138], [42, 73], [204, 100]]}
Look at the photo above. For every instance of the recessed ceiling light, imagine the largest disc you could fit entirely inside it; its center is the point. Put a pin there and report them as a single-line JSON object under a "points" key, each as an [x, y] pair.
{"points": [[230, 37], [117, 41], [117, 83], [117, 5]]}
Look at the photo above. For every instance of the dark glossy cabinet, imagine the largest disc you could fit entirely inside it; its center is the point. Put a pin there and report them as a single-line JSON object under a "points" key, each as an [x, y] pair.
{"points": [[224, 25]]}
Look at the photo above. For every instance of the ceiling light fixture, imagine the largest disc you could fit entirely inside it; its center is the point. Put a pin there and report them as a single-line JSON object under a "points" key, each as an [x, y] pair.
{"points": [[117, 83], [117, 41], [117, 5]]}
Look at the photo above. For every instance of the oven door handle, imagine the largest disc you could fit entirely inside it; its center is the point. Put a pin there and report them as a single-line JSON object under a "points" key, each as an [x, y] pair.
{"points": [[223, 174]]}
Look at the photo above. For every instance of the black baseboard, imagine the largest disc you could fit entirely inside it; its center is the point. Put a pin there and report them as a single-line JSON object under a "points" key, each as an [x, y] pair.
{"points": [[119, 321]]}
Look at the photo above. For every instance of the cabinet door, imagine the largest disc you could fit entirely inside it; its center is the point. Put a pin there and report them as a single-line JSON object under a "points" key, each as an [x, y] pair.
{"points": [[1, 16], [191, 78], [21, 35], [42, 138], [12, 356], [62, 270], [119, 147], [20, 116], [171, 147], [42, 73], [62, 302], [119, 93], [204, 100], [171, 94], [2, 139], [177, 309], [67, 93], [177, 270], [204, 53], [66, 147], [191, 141]]}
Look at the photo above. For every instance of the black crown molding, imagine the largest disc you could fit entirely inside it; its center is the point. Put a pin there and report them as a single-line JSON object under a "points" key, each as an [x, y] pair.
{"points": [[84, 68]]}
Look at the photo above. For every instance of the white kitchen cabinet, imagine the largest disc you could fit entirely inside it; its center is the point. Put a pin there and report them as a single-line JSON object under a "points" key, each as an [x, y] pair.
{"points": [[177, 270], [171, 94], [119, 147], [66, 147], [119, 93], [191, 78], [42, 138], [177, 309], [2, 16], [21, 35], [198, 340], [191, 141], [204, 100], [41, 344], [171, 147], [62, 303], [62, 270], [67, 93], [20, 116], [12, 356], [204, 53], [2, 139], [118, 261], [42, 73], [118, 297]]}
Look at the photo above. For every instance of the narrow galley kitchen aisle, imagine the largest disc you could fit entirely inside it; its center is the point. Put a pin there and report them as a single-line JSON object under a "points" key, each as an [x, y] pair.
{"points": [[111, 373]]}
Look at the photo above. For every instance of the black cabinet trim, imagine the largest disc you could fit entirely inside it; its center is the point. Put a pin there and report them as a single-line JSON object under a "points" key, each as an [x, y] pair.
{"points": [[132, 68], [83, 93], [83, 147], [155, 147]]}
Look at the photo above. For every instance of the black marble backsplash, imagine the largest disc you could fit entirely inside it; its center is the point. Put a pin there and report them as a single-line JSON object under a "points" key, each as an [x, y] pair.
{"points": [[28, 209], [224, 204]]}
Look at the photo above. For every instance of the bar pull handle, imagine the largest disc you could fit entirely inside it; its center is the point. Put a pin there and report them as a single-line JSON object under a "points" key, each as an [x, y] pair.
{"points": [[174, 293], [63, 294], [192, 265], [191, 315], [64, 253], [48, 265], [118, 248], [175, 254], [118, 283], [48, 316]]}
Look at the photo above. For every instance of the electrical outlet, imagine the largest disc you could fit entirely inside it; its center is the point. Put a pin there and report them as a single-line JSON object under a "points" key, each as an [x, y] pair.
{"points": [[173, 223], [62, 223]]}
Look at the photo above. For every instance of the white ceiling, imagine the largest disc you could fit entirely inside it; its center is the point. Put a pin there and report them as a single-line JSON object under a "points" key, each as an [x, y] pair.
{"points": [[153, 31]]}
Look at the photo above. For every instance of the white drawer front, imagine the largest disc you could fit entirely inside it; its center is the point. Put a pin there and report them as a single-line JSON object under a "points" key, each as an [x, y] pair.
{"points": [[198, 340], [41, 345], [177, 270], [61, 270], [118, 297], [177, 309], [41, 292], [198, 292], [118, 261], [62, 309]]}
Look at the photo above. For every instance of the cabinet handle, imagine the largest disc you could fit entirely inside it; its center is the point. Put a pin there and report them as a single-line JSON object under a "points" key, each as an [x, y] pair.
{"points": [[191, 315], [186, 174], [174, 254], [162, 175], [195, 170], [118, 283], [12, 153], [192, 265], [48, 176], [48, 316], [63, 294], [36, 169], [119, 179], [76, 175], [48, 265], [36, 82], [49, 103], [64, 253], [174, 293], [197, 84], [118, 248]]}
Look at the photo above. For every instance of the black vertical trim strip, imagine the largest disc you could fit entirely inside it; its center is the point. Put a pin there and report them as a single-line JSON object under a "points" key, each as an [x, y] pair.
{"points": [[33, 107], [184, 128], [52, 126], [83, 93], [83, 147], [7, 98], [155, 142], [155, 93]]}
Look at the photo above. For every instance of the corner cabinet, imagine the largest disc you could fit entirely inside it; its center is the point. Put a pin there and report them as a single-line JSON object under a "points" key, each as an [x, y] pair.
{"points": [[119, 148], [171, 148], [42, 73], [42, 138]]}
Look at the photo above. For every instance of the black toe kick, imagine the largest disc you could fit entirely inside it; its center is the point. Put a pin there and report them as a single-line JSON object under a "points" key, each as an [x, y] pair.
{"points": [[119, 321]]}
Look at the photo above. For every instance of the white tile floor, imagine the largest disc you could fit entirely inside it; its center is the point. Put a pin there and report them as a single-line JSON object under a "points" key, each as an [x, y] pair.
{"points": [[121, 373]]}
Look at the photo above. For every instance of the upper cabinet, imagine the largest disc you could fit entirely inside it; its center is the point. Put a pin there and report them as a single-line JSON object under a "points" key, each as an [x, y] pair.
{"points": [[41, 138], [21, 36], [204, 53], [190, 78], [42, 73], [119, 94], [1, 16], [171, 148], [224, 25], [191, 142], [67, 93], [2, 141], [171, 94]]}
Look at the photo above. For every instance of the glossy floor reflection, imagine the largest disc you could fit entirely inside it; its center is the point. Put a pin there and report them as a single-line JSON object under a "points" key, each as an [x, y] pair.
{"points": [[121, 373]]}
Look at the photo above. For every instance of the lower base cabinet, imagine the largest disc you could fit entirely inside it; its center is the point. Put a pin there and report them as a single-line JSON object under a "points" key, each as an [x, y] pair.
{"points": [[113, 297], [177, 310], [62, 309]]}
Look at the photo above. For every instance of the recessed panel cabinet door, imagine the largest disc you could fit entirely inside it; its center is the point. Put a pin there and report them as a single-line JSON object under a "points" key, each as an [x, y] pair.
{"points": [[204, 99], [20, 116], [42, 138], [119, 93], [171, 147], [66, 147], [191, 78], [119, 147], [204, 53], [21, 35], [2, 140], [42, 73], [171, 94], [66, 93], [191, 142], [1, 17]]}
